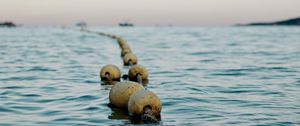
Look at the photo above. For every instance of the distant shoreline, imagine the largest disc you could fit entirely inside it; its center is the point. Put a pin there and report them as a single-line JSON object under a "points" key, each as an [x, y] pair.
{"points": [[7, 24], [288, 22]]}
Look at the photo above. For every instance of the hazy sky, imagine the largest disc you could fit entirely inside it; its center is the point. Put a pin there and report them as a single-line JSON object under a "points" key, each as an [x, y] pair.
{"points": [[147, 12]]}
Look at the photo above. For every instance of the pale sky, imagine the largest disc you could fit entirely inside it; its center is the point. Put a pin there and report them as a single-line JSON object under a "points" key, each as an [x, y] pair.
{"points": [[147, 12]]}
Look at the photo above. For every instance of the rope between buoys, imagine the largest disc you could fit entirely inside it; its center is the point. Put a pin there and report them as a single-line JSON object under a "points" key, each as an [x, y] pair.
{"points": [[148, 116]]}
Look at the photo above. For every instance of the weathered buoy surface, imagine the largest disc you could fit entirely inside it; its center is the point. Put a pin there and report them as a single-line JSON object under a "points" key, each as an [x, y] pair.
{"points": [[146, 104], [120, 93], [125, 51], [130, 59], [110, 72], [121, 40], [122, 43], [137, 72], [124, 46]]}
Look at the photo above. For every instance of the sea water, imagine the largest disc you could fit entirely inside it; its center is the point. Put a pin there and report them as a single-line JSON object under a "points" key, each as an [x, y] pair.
{"points": [[203, 75]]}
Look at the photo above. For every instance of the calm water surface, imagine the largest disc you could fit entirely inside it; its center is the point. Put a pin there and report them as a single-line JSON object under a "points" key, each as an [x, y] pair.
{"points": [[208, 76]]}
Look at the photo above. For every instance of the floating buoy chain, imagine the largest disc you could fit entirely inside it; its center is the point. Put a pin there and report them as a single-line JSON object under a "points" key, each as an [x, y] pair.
{"points": [[129, 58], [136, 72], [127, 94]]}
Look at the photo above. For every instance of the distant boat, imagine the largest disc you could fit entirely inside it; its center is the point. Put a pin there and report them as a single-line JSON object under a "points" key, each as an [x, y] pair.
{"points": [[81, 24], [8, 24], [126, 24]]}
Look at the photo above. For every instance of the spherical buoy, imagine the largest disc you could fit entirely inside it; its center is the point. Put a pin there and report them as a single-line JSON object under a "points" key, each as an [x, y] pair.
{"points": [[129, 59], [138, 73], [110, 73], [120, 93], [120, 40], [125, 51], [145, 104], [122, 43], [124, 46]]}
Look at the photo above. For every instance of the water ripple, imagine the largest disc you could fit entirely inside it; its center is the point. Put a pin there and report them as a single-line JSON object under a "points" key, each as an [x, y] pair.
{"points": [[203, 76]]}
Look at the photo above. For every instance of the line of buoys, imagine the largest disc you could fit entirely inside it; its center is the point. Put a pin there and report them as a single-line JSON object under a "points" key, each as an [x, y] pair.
{"points": [[140, 103], [129, 58]]}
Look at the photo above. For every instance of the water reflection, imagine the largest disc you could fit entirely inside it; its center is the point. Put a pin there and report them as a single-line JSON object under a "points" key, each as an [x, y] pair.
{"points": [[122, 114], [117, 113], [108, 82]]}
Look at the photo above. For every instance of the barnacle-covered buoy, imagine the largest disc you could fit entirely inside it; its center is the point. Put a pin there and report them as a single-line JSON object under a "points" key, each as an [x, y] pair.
{"points": [[138, 73], [146, 105], [122, 43], [124, 46], [120, 93], [125, 51]]}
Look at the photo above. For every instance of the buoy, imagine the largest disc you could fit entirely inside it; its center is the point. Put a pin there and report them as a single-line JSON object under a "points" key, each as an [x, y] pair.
{"points": [[125, 51], [124, 45], [138, 73], [130, 59], [121, 40], [120, 93], [145, 104], [110, 72]]}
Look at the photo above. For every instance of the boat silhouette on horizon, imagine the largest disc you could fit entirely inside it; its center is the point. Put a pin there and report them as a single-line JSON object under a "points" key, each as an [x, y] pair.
{"points": [[126, 24]]}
